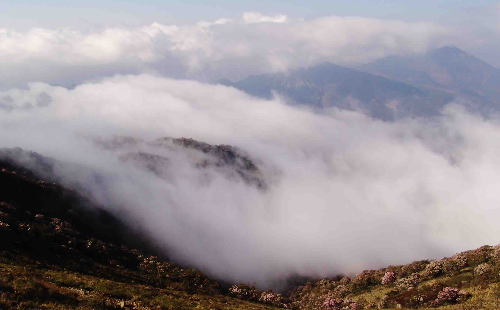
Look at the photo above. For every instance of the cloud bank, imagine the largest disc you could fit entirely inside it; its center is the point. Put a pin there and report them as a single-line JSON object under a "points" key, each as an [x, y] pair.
{"points": [[205, 51], [345, 192], [256, 17]]}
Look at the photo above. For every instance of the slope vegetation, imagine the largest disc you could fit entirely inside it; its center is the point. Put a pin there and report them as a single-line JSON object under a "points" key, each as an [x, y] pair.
{"points": [[60, 250]]}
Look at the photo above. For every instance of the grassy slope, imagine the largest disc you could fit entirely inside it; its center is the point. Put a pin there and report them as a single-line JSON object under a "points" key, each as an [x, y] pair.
{"points": [[24, 284], [476, 273], [51, 258], [58, 251]]}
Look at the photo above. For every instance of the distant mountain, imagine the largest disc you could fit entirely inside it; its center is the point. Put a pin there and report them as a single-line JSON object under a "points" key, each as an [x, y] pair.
{"points": [[328, 85], [448, 69], [389, 88]]}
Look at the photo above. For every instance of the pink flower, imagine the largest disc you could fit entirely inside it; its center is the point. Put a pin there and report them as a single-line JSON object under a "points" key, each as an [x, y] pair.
{"points": [[389, 277], [335, 303]]}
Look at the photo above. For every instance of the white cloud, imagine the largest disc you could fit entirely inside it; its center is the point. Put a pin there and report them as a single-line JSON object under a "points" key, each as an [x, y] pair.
{"points": [[205, 50], [256, 17], [222, 21], [345, 192]]}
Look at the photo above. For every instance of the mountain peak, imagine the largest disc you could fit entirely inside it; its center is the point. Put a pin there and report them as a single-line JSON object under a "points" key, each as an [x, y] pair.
{"points": [[450, 49], [447, 52]]}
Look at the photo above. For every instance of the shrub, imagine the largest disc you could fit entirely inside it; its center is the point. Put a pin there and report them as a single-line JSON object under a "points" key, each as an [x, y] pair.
{"points": [[365, 279], [345, 280], [460, 259], [384, 303], [341, 291], [450, 295], [409, 282], [495, 254], [434, 268], [389, 277], [277, 300], [481, 269], [244, 292], [334, 303], [478, 256], [454, 264], [414, 267]]}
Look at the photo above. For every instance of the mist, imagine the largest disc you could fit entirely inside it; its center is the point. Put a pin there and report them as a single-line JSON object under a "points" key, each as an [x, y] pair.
{"points": [[343, 193]]}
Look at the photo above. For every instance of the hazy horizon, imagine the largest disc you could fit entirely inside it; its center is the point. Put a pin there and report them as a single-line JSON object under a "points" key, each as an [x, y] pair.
{"points": [[68, 44]]}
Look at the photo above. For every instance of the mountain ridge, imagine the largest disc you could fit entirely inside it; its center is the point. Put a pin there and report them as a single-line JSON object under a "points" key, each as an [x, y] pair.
{"points": [[448, 69], [389, 88], [329, 85]]}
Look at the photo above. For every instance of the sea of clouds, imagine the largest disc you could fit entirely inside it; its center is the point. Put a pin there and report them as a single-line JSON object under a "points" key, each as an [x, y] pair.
{"points": [[345, 192]]}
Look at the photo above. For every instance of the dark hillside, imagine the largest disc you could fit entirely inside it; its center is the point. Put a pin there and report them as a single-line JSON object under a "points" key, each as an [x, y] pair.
{"points": [[59, 250]]}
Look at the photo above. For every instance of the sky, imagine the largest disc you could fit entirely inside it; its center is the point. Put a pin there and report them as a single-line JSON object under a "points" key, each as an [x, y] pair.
{"points": [[346, 192], [87, 13], [208, 41]]}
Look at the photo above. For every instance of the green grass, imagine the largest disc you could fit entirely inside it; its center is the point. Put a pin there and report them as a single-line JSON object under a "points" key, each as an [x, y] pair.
{"points": [[23, 285]]}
